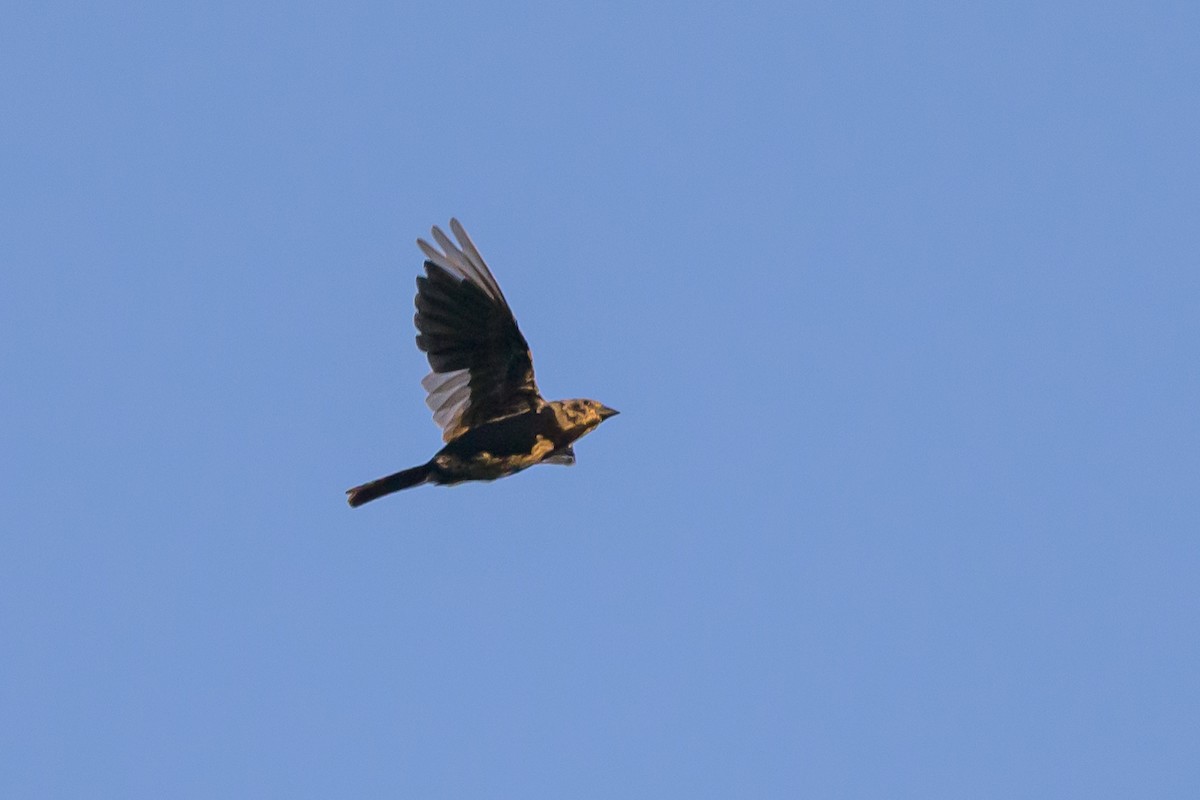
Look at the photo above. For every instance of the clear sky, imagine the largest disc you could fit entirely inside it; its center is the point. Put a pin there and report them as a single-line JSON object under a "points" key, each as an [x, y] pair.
{"points": [[899, 303]]}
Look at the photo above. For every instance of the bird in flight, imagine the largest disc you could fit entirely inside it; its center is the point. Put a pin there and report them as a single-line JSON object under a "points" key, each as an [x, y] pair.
{"points": [[481, 390]]}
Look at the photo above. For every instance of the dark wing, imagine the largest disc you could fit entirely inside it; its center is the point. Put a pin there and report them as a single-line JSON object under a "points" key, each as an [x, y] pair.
{"points": [[482, 368]]}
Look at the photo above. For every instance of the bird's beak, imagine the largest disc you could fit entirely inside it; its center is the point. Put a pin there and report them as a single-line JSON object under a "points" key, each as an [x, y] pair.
{"points": [[606, 412]]}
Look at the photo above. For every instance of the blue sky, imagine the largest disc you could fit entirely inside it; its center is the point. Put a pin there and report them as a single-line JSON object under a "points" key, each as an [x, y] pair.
{"points": [[899, 303]]}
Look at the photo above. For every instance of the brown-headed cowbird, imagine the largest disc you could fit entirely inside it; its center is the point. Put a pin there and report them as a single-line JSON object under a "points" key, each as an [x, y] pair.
{"points": [[481, 389]]}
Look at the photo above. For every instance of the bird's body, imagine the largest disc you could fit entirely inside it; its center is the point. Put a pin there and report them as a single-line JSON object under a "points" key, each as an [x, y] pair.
{"points": [[482, 391]]}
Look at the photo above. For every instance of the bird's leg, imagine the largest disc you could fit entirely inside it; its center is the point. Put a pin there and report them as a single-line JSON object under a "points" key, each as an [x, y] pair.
{"points": [[563, 455]]}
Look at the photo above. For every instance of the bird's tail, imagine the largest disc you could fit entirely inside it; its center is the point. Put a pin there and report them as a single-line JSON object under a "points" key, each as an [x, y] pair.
{"points": [[392, 483]]}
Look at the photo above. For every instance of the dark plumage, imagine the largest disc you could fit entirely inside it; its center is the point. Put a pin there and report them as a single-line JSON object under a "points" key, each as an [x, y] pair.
{"points": [[482, 391]]}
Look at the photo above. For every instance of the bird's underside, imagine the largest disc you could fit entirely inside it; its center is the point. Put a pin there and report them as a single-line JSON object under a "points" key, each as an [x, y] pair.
{"points": [[481, 389]]}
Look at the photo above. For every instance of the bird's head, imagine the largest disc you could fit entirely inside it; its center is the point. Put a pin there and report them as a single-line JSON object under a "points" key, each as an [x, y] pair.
{"points": [[581, 416]]}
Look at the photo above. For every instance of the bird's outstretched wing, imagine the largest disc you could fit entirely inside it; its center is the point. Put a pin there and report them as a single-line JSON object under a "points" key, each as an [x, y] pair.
{"points": [[482, 368]]}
